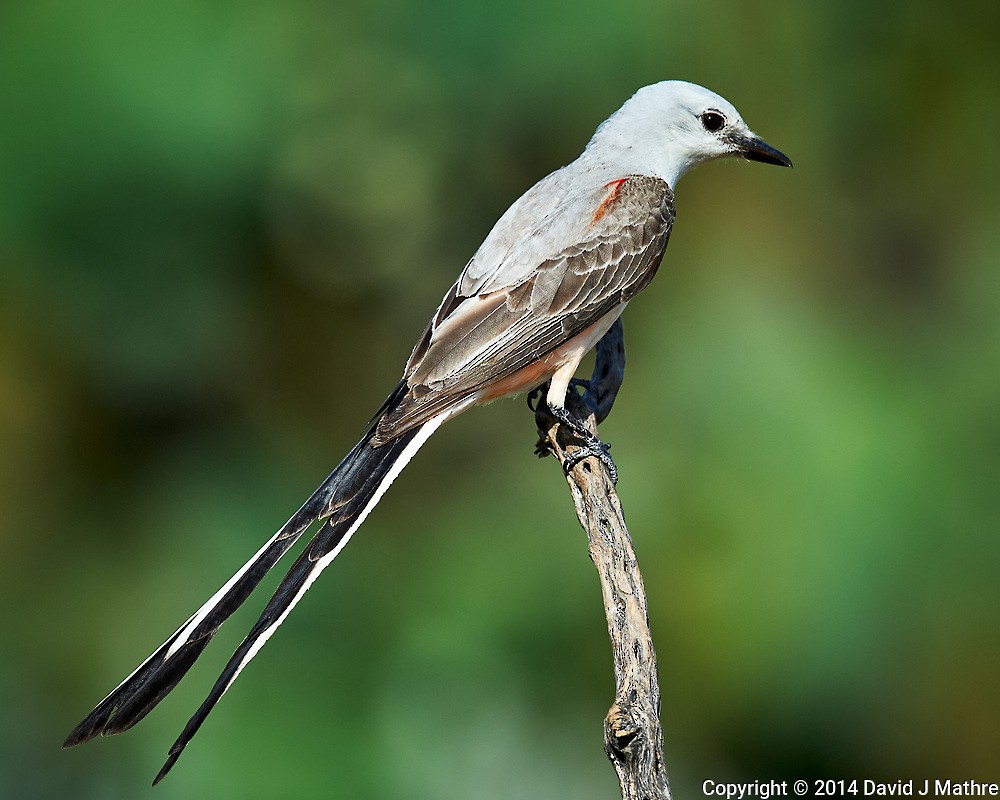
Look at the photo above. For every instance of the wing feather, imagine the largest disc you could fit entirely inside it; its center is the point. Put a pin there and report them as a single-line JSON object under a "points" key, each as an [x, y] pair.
{"points": [[583, 265]]}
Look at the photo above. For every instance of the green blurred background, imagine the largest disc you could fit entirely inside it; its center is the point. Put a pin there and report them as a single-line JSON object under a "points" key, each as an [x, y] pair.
{"points": [[223, 225]]}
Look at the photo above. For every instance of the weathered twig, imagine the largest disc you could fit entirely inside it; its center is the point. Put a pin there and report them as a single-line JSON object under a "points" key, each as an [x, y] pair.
{"points": [[633, 738]]}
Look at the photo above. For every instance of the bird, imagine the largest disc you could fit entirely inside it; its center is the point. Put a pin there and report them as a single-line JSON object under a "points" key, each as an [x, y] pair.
{"points": [[548, 282]]}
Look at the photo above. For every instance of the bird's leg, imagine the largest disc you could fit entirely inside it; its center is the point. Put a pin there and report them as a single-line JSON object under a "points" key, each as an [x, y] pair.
{"points": [[609, 372], [536, 402], [598, 396], [590, 445], [599, 392], [535, 395]]}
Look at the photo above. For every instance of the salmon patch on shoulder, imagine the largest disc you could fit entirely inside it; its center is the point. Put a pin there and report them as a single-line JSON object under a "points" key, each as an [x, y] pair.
{"points": [[616, 189]]}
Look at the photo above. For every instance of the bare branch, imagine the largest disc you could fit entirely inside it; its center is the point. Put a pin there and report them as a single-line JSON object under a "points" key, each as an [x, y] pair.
{"points": [[633, 737]]}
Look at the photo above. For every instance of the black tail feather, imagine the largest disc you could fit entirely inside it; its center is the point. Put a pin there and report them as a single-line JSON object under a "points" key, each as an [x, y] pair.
{"points": [[139, 693], [359, 485]]}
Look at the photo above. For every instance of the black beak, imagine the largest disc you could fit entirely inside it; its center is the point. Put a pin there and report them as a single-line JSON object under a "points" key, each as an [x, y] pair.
{"points": [[754, 149]]}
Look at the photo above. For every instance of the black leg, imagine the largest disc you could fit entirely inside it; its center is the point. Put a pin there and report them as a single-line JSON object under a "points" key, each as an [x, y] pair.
{"points": [[590, 445], [598, 395], [609, 371]]}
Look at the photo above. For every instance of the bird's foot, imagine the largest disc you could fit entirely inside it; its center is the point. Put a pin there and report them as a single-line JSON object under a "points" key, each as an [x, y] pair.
{"points": [[590, 445], [536, 400]]}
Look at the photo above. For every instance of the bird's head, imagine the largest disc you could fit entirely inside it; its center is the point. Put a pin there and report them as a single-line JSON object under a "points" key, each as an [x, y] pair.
{"points": [[666, 128]]}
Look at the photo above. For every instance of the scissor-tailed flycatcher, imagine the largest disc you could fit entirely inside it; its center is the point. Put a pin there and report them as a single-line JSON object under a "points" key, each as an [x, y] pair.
{"points": [[551, 278]]}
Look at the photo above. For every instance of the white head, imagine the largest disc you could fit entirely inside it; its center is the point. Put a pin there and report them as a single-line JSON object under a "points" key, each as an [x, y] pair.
{"points": [[668, 127]]}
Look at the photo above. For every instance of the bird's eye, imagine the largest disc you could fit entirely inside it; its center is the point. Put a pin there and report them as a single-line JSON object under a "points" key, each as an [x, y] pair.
{"points": [[712, 121]]}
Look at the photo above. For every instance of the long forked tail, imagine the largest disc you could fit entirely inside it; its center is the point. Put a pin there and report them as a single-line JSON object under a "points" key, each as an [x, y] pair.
{"points": [[343, 501]]}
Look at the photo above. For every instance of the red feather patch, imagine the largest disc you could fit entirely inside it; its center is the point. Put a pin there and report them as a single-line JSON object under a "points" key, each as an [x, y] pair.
{"points": [[612, 198]]}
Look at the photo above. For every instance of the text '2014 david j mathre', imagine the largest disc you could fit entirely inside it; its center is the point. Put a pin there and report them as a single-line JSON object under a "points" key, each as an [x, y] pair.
{"points": [[850, 788]]}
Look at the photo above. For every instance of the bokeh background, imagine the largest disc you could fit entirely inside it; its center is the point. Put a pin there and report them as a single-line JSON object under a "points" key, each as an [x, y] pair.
{"points": [[223, 225]]}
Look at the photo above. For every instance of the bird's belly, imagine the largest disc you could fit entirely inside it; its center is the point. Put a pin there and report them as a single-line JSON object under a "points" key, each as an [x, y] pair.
{"points": [[562, 361]]}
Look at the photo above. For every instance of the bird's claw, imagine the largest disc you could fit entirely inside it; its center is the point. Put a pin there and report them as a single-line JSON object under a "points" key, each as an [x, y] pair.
{"points": [[590, 445], [599, 450]]}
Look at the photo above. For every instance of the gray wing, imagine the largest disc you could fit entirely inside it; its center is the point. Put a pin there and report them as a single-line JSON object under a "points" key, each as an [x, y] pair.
{"points": [[596, 250]]}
